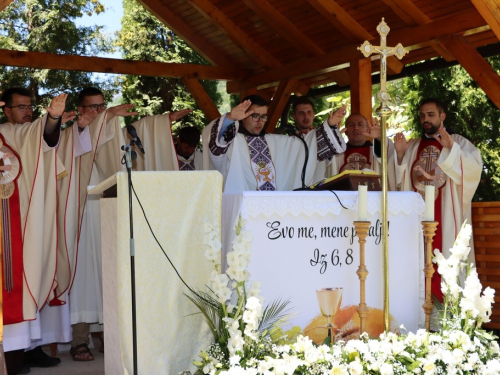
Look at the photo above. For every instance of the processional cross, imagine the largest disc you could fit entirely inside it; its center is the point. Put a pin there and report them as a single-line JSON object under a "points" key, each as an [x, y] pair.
{"points": [[383, 110]]}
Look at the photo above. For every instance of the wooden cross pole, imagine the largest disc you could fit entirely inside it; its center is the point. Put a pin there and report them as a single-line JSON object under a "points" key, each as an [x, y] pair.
{"points": [[383, 111]]}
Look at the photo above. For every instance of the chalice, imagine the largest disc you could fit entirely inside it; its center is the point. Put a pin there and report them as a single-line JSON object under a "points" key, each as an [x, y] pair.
{"points": [[329, 300]]}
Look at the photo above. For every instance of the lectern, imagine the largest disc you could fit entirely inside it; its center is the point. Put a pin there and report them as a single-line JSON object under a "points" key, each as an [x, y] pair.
{"points": [[177, 205]]}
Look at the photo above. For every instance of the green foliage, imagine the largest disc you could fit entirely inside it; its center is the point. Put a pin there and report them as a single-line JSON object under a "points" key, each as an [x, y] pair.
{"points": [[41, 26], [143, 37], [469, 113]]}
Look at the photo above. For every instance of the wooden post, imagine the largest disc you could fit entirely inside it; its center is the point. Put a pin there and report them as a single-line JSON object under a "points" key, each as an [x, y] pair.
{"points": [[201, 97], [361, 87]]}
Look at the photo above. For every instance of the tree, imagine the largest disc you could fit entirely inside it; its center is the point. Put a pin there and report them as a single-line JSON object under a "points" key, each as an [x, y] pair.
{"points": [[43, 26], [469, 113], [143, 37]]}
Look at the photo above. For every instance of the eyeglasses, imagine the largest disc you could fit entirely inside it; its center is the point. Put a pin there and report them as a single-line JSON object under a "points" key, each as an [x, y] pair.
{"points": [[257, 117], [95, 107], [23, 107]]}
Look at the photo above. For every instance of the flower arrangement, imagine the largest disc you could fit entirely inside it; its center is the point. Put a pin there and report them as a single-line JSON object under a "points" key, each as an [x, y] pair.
{"points": [[243, 331], [461, 346]]}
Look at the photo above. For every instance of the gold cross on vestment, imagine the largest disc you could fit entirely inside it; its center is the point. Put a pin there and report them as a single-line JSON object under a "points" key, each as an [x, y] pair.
{"points": [[367, 49]]}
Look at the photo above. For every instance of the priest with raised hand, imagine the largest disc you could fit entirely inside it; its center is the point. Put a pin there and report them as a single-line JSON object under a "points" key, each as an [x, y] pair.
{"points": [[29, 216], [449, 162], [250, 159], [363, 148]]}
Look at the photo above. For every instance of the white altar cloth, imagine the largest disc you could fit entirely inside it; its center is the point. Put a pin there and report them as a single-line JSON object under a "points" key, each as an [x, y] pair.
{"points": [[303, 241]]}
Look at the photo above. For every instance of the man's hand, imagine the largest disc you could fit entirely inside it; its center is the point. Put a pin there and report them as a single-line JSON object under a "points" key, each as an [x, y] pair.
{"points": [[56, 107], [445, 139], [374, 130], [401, 145], [84, 120], [240, 111], [121, 110], [335, 118], [176, 115], [67, 116]]}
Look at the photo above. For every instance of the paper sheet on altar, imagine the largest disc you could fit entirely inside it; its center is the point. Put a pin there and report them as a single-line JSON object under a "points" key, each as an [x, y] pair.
{"points": [[176, 205], [285, 261]]}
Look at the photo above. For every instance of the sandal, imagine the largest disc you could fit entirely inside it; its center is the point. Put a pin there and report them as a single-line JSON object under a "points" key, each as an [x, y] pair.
{"points": [[81, 353]]}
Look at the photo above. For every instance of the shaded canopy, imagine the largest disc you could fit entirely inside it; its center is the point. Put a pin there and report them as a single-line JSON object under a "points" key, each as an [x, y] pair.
{"points": [[280, 47]]}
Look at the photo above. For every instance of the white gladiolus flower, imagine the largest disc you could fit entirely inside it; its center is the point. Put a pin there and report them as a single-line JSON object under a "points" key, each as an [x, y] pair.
{"points": [[386, 369], [355, 368]]}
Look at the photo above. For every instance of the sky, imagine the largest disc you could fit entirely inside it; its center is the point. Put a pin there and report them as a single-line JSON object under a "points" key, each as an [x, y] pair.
{"points": [[110, 19]]}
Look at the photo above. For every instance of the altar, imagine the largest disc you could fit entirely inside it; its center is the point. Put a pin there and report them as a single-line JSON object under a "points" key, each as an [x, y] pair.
{"points": [[305, 241]]}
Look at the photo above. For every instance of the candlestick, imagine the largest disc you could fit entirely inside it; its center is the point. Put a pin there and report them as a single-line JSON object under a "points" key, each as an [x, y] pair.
{"points": [[362, 202], [362, 228], [430, 228], [429, 202]]}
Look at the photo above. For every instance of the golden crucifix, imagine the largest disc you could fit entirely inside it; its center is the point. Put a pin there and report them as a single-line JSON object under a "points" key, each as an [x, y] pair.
{"points": [[383, 111]]}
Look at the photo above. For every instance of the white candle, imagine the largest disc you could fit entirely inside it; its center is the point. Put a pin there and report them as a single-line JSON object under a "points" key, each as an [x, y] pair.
{"points": [[362, 202], [429, 202]]}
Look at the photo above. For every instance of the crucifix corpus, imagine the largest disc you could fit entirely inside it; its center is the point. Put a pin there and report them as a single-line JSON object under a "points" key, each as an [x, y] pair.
{"points": [[383, 111]]}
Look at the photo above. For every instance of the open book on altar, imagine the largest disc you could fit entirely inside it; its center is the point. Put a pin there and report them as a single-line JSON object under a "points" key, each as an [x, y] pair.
{"points": [[349, 180]]}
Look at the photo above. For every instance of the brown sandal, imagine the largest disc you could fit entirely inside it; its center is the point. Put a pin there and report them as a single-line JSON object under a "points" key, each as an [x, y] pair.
{"points": [[80, 350]]}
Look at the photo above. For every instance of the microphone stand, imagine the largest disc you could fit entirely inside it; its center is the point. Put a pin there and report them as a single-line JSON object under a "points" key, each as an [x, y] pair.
{"points": [[127, 159]]}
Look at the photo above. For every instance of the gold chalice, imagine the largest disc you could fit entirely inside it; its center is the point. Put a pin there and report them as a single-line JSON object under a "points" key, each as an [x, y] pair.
{"points": [[329, 300]]}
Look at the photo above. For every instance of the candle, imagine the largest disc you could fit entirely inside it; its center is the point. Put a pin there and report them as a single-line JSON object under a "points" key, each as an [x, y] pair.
{"points": [[429, 202], [362, 202]]}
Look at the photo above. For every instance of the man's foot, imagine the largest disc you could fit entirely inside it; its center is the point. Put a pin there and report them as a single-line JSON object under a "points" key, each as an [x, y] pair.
{"points": [[81, 353], [37, 358]]}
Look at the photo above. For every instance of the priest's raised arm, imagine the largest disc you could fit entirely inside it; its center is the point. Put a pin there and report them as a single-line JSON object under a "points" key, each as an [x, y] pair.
{"points": [[250, 159]]}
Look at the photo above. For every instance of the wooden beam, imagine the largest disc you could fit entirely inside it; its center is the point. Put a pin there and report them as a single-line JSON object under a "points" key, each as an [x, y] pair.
{"points": [[477, 67], [280, 99], [361, 87], [233, 32], [161, 11], [42, 60], [338, 17], [201, 97], [284, 27], [456, 23], [341, 77], [413, 16], [490, 10], [4, 4]]}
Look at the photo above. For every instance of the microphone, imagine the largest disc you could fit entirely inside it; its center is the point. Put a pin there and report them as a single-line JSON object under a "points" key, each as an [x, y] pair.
{"points": [[131, 130]]}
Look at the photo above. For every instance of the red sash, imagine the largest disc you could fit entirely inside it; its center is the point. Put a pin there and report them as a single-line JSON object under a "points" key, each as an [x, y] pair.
{"points": [[12, 241], [357, 158], [425, 171]]}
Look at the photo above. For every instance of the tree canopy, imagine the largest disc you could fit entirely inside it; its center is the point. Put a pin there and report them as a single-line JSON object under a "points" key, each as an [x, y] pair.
{"points": [[41, 26], [143, 37]]}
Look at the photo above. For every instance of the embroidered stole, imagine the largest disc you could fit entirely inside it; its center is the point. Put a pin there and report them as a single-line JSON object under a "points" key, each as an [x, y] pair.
{"points": [[12, 241], [186, 165], [356, 158], [425, 171], [261, 162]]}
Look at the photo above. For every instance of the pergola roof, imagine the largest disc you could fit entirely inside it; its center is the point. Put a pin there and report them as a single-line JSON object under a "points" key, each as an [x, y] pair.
{"points": [[279, 47]]}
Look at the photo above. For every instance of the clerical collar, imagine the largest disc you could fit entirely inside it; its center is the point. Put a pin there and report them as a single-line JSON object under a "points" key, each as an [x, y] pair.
{"points": [[366, 144], [243, 131]]}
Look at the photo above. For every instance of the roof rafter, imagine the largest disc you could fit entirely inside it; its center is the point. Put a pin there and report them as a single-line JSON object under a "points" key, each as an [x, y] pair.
{"points": [[237, 35], [4, 4], [456, 23], [490, 10], [284, 27], [42, 60], [477, 67], [413, 16], [160, 10], [348, 26]]}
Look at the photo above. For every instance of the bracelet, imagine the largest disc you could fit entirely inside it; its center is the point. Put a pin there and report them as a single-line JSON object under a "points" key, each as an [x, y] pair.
{"points": [[55, 118]]}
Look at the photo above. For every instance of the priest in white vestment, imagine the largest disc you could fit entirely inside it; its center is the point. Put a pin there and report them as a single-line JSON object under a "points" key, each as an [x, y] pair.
{"points": [[161, 152], [451, 164], [82, 218], [29, 203], [362, 153], [249, 159]]}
